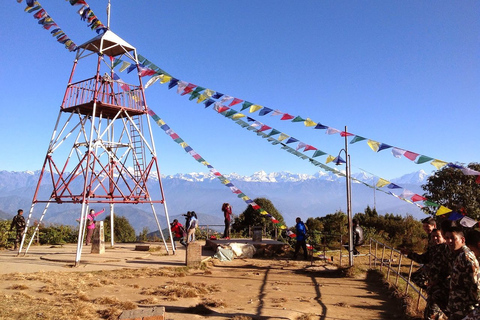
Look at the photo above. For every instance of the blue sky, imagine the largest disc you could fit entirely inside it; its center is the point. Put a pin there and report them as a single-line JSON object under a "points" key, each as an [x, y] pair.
{"points": [[405, 73]]}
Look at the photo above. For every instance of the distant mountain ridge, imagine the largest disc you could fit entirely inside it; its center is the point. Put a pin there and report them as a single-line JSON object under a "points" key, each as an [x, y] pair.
{"points": [[292, 194]]}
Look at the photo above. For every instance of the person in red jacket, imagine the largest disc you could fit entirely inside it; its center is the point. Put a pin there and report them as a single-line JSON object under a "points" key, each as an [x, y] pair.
{"points": [[227, 213], [178, 232]]}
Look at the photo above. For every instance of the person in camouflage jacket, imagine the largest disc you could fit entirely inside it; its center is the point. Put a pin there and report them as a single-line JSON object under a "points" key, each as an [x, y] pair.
{"points": [[438, 272], [19, 224], [472, 240], [464, 292]]}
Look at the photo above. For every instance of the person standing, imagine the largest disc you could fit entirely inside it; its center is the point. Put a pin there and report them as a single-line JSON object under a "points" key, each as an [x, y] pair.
{"points": [[178, 232], [301, 231], [464, 294], [227, 213], [91, 224], [19, 223], [192, 226], [358, 238]]}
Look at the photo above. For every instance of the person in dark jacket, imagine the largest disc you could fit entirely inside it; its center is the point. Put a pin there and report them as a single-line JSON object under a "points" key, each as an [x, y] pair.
{"points": [[358, 238], [227, 213], [19, 223], [301, 239]]}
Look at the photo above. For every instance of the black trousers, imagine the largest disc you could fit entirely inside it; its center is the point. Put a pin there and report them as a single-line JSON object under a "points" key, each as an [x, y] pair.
{"points": [[226, 232], [303, 244]]}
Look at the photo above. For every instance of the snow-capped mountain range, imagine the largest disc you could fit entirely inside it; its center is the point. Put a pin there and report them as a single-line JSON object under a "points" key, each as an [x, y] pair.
{"points": [[292, 194]]}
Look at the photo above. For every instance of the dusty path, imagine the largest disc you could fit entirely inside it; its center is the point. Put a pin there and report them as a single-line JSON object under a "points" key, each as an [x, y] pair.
{"points": [[239, 289]]}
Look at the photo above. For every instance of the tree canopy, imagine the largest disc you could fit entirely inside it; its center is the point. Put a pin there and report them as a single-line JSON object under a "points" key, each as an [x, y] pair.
{"points": [[250, 217], [453, 189]]}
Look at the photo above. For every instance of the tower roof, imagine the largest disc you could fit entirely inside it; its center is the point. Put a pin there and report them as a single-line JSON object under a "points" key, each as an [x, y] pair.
{"points": [[108, 43]]}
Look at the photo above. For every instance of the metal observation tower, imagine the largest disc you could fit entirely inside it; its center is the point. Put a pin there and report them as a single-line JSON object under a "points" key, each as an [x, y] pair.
{"points": [[102, 149]]}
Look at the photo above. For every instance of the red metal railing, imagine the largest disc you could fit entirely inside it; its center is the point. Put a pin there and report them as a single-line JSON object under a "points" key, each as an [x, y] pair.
{"points": [[110, 92]]}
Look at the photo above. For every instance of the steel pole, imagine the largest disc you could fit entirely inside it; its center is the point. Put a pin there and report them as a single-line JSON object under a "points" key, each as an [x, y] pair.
{"points": [[349, 202]]}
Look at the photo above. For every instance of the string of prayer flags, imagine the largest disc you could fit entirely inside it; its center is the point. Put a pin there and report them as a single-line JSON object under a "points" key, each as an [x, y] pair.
{"points": [[48, 23], [374, 145], [86, 14], [169, 131]]}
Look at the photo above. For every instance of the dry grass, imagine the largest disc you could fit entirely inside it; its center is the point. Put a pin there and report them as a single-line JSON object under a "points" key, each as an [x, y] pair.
{"points": [[66, 295], [309, 316], [18, 287], [172, 291]]}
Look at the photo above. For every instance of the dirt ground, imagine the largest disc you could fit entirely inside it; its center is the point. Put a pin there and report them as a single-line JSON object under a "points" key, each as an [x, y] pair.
{"points": [[257, 288]]}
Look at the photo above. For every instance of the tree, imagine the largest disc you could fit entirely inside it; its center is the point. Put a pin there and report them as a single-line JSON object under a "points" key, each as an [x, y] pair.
{"points": [[251, 217], [123, 230], [453, 189]]}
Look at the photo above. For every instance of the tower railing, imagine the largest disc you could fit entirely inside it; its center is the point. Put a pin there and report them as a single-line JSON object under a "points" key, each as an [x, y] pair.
{"points": [[111, 92]]}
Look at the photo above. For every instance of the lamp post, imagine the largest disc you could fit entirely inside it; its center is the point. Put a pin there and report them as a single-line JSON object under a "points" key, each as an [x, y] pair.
{"points": [[349, 197]]}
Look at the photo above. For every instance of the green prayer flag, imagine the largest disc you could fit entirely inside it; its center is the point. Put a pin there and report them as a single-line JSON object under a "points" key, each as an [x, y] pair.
{"points": [[298, 119], [423, 159], [246, 105], [318, 153], [356, 139], [273, 132]]}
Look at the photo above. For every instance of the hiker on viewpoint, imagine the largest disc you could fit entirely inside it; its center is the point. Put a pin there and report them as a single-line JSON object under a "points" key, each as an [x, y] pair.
{"points": [[227, 213], [192, 226], [91, 224], [178, 232], [301, 239], [19, 223], [358, 238]]}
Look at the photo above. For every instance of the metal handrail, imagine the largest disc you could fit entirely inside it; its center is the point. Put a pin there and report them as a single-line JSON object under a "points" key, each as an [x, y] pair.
{"points": [[409, 284]]}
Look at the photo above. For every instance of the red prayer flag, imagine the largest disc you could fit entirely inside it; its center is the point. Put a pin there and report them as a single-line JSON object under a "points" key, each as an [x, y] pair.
{"points": [[189, 88], [417, 197], [235, 101], [346, 134], [222, 108], [411, 155], [309, 147], [264, 127], [286, 116]]}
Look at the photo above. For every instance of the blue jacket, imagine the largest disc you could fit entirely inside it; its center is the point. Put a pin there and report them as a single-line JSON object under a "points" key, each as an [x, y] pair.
{"points": [[301, 231]]}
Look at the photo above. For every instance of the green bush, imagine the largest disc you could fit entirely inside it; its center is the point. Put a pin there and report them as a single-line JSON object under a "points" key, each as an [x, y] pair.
{"points": [[57, 234], [123, 230]]}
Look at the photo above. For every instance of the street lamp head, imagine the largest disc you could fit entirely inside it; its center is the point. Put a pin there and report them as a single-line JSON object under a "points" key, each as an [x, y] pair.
{"points": [[338, 160]]}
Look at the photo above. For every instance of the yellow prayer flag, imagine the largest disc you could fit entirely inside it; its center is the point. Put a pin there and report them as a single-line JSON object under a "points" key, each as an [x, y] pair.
{"points": [[238, 116], [374, 145], [183, 144], [202, 98], [165, 79], [226, 181], [245, 198], [205, 163], [330, 158], [382, 183], [209, 92], [124, 66], [282, 137], [309, 123], [255, 107], [160, 122], [283, 227], [442, 210], [438, 163]]}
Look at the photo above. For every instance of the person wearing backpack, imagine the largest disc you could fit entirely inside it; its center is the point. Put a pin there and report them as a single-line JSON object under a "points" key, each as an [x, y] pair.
{"points": [[301, 239]]}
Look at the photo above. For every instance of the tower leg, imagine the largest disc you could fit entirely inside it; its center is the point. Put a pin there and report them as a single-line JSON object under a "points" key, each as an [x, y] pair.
{"points": [[37, 226], [112, 224], [81, 233]]}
